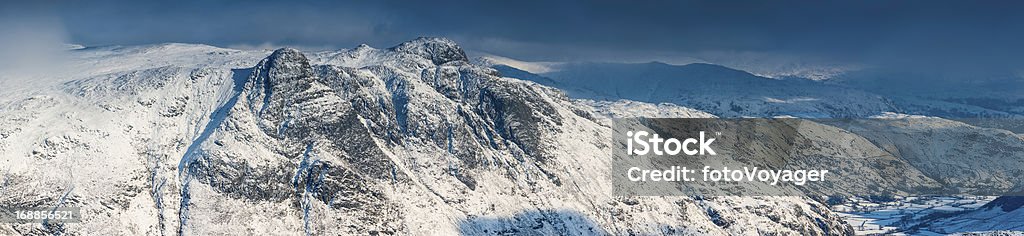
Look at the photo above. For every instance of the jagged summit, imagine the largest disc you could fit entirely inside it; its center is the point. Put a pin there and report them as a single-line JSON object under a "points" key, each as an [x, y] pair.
{"points": [[438, 50], [283, 65], [285, 72], [286, 56], [286, 53]]}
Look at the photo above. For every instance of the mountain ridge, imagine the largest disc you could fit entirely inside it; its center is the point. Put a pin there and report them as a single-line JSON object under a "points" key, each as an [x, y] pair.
{"points": [[412, 139]]}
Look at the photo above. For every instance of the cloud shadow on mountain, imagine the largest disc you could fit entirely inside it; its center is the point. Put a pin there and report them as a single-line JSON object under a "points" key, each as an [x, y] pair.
{"points": [[556, 222]]}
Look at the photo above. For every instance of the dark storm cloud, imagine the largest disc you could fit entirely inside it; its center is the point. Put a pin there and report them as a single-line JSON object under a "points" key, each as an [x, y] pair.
{"points": [[927, 33]]}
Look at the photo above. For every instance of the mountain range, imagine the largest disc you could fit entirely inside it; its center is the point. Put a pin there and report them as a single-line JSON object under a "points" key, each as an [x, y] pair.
{"points": [[413, 139]]}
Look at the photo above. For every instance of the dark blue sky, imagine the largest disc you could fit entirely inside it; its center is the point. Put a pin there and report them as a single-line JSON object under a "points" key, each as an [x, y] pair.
{"points": [[929, 33]]}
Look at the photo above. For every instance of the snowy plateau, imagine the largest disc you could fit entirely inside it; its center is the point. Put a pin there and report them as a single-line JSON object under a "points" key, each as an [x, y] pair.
{"points": [[417, 139]]}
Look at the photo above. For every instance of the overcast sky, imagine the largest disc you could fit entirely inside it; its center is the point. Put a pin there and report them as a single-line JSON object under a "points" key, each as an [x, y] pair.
{"points": [[975, 33]]}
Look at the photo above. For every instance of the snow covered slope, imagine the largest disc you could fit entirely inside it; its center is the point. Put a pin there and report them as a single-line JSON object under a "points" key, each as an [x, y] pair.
{"points": [[729, 92], [715, 89], [411, 140], [996, 217], [928, 143]]}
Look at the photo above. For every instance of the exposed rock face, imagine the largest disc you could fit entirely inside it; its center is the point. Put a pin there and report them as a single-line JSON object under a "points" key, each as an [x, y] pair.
{"points": [[407, 140], [438, 50]]}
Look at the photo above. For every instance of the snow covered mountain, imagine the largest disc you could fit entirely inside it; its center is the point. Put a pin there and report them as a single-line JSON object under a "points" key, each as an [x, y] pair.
{"points": [[729, 92], [716, 89], [413, 139], [928, 143]]}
